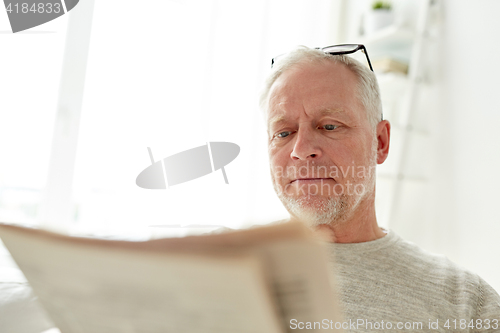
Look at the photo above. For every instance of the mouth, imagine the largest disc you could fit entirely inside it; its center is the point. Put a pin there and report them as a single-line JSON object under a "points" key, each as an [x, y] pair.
{"points": [[310, 180]]}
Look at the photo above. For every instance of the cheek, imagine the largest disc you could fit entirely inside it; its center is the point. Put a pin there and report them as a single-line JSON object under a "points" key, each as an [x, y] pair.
{"points": [[277, 156], [277, 163], [339, 153], [348, 158], [356, 151], [354, 161]]}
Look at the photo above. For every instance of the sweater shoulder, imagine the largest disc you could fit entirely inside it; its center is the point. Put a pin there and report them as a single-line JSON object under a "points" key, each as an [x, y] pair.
{"points": [[436, 267]]}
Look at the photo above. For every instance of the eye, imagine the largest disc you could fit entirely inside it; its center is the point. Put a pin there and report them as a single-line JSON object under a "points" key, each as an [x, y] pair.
{"points": [[330, 127], [283, 134]]}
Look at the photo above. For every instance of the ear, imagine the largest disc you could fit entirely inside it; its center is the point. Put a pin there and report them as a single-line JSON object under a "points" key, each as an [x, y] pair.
{"points": [[383, 139]]}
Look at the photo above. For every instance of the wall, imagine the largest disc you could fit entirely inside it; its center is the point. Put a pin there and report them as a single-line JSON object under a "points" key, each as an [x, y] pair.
{"points": [[467, 151]]}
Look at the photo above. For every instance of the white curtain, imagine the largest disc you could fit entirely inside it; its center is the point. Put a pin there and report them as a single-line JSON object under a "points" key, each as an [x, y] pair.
{"points": [[30, 70]]}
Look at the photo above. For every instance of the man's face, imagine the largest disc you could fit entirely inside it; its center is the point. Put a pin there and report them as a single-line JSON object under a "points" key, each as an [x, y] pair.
{"points": [[322, 149]]}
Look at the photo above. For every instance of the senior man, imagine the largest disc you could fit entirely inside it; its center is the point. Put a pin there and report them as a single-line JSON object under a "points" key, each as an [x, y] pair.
{"points": [[326, 136]]}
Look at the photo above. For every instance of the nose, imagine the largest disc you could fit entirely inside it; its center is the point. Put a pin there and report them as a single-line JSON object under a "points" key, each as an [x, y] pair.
{"points": [[305, 146]]}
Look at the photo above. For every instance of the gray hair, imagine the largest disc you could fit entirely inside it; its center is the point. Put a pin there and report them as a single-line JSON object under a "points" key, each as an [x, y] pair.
{"points": [[368, 90]]}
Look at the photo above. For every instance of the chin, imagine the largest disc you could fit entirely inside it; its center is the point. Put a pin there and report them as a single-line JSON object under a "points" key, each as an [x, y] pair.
{"points": [[315, 210]]}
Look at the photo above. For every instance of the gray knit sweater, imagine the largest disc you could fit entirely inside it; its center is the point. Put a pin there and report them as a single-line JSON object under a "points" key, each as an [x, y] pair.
{"points": [[392, 285]]}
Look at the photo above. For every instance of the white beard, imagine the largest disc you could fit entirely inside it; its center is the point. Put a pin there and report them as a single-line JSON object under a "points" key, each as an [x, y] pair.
{"points": [[320, 210]]}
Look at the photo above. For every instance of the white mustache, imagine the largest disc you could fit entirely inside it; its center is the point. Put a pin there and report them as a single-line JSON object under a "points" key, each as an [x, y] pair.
{"points": [[322, 172]]}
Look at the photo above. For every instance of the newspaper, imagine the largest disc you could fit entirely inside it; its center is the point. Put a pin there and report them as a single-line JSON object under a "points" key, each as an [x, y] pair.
{"points": [[254, 280]]}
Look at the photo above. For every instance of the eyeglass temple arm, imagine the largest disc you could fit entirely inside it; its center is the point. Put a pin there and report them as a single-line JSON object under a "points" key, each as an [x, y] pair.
{"points": [[367, 57]]}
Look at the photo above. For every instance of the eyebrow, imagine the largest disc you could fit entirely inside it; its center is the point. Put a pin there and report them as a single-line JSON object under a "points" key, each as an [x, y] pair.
{"points": [[329, 111], [281, 117], [276, 119]]}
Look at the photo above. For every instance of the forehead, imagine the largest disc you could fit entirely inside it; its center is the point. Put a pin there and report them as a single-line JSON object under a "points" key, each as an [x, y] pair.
{"points": [[316, 88]]}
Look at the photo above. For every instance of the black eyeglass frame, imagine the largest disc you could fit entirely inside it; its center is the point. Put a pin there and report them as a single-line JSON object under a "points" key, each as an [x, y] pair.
{"points": [[357, 47]]}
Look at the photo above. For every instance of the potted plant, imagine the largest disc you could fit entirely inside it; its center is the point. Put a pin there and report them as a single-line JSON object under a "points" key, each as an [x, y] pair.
{"points": [[379, 16]]}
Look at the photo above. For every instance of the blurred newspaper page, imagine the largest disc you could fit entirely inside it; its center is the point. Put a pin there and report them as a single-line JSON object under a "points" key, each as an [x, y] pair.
{"points": [[90, 286], [253, 280]]}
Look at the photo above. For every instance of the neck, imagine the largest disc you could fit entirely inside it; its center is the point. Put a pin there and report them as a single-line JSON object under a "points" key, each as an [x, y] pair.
{"points": [[349, 232]]}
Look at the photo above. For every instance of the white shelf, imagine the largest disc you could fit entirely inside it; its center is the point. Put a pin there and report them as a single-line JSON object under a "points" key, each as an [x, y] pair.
{"points": [[393, 34], [393, 41], [393, 80]]}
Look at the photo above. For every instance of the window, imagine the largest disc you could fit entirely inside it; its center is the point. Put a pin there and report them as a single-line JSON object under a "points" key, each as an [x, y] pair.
{"points": [[31, 69]]}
